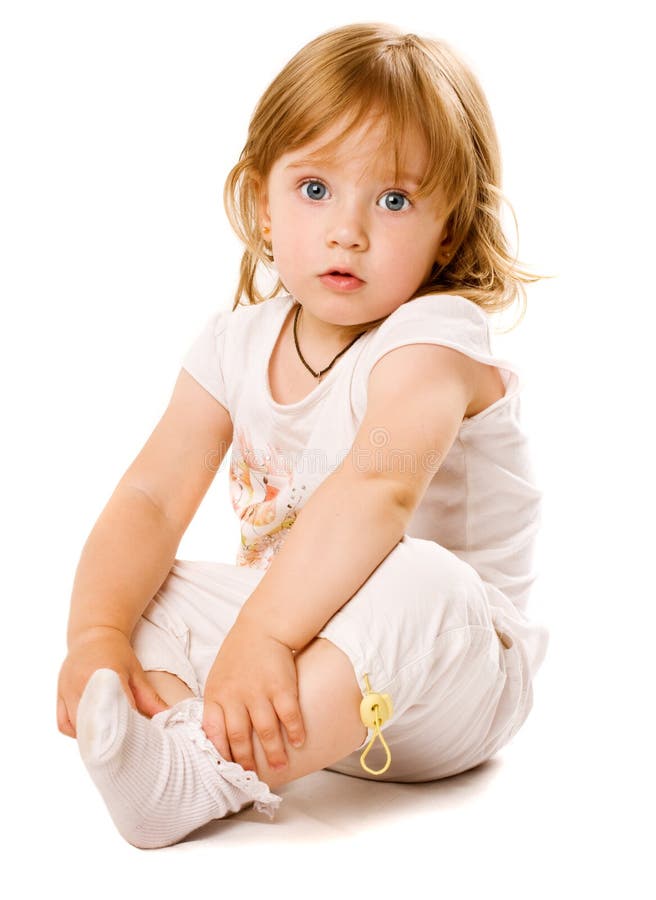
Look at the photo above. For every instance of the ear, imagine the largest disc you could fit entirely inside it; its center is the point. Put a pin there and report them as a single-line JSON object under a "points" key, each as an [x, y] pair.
{"points": [[445, 248]]}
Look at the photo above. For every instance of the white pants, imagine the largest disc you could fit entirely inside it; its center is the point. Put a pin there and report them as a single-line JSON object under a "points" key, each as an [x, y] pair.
{"points": [[422, 628]]}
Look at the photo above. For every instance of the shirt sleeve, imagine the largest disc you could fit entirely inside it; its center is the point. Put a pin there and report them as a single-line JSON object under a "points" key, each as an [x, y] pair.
{"points": [[205, 357], [446, 319], [440, 319]]}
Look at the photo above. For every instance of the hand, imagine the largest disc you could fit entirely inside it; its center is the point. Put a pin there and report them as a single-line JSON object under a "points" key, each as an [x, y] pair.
{"points": [[102, 648], [252, 684]]}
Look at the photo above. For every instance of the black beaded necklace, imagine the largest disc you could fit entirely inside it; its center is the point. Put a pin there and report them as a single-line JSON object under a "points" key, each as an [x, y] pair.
{"points": [[298, 349]]}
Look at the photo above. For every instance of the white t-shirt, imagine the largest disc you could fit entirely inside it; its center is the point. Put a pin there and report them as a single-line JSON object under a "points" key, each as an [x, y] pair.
{"points": [[482, 504]]}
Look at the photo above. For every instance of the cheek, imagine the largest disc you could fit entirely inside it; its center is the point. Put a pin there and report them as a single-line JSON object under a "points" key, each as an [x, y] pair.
{"points": [[417, 261], [411, 247], [292, 237], [291, 251]]}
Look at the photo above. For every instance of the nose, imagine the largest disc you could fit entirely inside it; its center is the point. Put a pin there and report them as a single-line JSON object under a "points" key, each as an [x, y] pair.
{"points": [[347, 229]]}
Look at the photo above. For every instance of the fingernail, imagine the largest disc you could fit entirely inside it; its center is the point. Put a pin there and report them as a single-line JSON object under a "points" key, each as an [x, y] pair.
{"points": [[297, 743], [279, 766]]}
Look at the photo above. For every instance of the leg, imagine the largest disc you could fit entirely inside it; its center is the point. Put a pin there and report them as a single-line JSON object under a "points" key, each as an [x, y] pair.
{"points": [[433, 647], [170, 688], [330, 702], [160, 778], [422, 627], [329, 697], [436, 654]]}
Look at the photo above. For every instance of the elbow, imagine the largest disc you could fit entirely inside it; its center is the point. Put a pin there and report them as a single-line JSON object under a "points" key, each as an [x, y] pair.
{"points": [[391, 496]]}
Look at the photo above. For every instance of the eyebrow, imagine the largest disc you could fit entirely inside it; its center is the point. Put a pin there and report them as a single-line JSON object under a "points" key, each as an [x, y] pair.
{"points": [[327, 164]]}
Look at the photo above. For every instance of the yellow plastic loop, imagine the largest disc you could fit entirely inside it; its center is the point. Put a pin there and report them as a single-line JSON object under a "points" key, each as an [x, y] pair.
{"points": [[375, 710]]}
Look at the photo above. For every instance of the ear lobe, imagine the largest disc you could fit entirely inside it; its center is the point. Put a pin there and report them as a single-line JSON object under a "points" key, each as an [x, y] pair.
{"points": [[265, 218], [444, 252]]}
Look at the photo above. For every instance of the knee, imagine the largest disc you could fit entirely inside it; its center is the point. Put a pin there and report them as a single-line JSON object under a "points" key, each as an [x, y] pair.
{"points": [[436, 586]]}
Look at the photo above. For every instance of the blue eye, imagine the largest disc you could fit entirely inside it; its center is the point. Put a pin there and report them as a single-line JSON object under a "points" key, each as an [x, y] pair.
{"points": [[314, 194], [396, 195], [317, 191]]}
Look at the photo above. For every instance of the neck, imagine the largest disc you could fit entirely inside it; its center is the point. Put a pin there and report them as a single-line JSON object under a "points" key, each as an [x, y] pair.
{"points": [[321, 371], [323, 337]]}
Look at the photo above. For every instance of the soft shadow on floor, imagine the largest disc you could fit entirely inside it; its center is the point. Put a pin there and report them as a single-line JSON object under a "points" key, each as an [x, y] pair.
{"points": [[329, 804]]}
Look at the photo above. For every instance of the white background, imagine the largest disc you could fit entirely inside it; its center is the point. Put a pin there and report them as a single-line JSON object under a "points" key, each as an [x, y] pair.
{"points": [[120, 122]]}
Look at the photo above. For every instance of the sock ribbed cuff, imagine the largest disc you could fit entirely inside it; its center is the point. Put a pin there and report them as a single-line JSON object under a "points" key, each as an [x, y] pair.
{"points": [[188, 716]]}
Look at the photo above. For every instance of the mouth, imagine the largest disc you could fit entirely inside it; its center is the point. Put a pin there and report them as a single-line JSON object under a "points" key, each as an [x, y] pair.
{"points": [[341, 280], [338, 271]]}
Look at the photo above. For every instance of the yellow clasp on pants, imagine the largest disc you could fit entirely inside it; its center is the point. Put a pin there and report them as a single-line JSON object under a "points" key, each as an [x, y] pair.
{"points": [[375, 710]]}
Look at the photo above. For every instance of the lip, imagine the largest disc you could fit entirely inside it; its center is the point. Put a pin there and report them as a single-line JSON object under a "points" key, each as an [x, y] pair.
{"points": [[341, 282], [340, 271]]}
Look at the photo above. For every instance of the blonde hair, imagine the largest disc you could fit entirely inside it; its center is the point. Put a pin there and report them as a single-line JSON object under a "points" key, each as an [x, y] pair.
{"points": [[410, 82]]}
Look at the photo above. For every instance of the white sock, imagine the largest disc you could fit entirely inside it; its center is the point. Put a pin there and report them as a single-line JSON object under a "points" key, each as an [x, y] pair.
{"points": [[161, 778]]}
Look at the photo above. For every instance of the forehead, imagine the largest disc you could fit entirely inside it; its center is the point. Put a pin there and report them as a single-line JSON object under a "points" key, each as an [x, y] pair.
{"points": [[368, 146]]}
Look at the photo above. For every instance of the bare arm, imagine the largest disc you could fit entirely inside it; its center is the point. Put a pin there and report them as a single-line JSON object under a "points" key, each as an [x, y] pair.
{"points": [[133, 544], [417, 396], [124, 561], [341, 535]]}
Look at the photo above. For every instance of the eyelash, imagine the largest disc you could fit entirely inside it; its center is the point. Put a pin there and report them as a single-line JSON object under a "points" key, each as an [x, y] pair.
{"points": [[319, 181]]}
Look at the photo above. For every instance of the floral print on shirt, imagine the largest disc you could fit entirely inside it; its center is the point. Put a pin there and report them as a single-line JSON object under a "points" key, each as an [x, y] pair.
{"points": [[264, 496]]}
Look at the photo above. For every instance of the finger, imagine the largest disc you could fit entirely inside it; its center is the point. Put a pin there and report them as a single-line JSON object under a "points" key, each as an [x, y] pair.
{"points": [[127, 687], [267, 726], [239, 729], [64, 724], [146, 697], [215, 728], [288, 712]]}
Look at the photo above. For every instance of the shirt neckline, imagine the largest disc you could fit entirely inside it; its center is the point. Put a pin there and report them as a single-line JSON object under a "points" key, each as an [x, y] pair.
{"points": [[317, 392]]}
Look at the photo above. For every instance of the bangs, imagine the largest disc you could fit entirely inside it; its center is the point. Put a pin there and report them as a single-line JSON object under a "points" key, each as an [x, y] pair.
{"points": [[392, 91]]}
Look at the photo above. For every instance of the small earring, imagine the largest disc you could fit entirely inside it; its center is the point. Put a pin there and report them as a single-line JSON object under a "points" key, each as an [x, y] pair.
{"points": [[267, 243]]}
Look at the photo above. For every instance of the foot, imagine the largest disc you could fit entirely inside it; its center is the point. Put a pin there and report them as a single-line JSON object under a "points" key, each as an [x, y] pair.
{"points": [[160, 778]]}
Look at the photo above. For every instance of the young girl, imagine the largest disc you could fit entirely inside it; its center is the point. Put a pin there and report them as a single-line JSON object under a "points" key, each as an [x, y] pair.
{"points": [[374, 622]]}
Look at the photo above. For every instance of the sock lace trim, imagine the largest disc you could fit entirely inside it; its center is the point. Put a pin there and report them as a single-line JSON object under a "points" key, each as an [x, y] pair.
{"points": [[188, 713]]}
